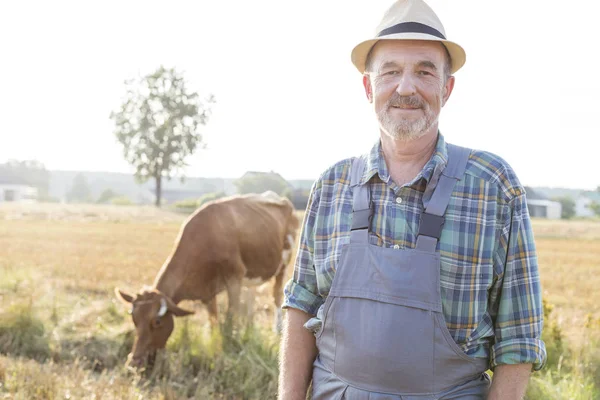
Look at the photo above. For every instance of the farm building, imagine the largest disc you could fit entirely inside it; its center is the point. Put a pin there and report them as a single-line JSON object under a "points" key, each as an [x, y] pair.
{"points": [[10, 192], [541, 207]]}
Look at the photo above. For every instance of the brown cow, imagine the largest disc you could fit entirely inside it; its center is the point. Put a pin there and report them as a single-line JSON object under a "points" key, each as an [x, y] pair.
{"points": [[224, 245]]}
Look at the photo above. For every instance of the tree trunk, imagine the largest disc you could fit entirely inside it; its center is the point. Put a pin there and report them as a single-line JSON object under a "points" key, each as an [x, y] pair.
{"points": [[158, 179]]}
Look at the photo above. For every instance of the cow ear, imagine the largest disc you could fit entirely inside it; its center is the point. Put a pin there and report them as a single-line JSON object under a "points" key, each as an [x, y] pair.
{"points": [[124, 297], [180, 312]]}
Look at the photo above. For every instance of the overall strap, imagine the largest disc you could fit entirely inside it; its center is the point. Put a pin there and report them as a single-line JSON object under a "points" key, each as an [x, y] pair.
{"points": [[432, 218], [362, 210]]}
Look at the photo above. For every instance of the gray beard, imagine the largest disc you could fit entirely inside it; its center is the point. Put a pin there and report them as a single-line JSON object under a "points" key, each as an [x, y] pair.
{"points": [[404, 129]]}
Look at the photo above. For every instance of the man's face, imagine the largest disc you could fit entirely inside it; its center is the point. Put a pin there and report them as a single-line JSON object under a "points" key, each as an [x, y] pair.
{"points": [[407, 85]]}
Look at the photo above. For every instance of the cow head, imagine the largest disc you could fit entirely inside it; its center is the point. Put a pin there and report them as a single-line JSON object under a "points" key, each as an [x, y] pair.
{"points": [[152, 313]]}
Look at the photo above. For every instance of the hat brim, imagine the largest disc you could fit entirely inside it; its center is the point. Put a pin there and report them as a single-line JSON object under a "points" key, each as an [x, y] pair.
{"points": [[361, 51]]}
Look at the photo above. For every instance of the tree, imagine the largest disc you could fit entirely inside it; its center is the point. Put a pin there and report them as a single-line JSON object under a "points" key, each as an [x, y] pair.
{"points": [[80, 190], [595, 207], [567, 207], [298, 197], [158, 125]]}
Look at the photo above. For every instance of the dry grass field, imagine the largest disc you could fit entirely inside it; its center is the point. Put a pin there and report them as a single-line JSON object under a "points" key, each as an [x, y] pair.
{"points": [[63, 334]]}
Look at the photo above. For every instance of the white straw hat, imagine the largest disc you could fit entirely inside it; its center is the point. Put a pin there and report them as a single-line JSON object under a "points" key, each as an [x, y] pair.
{"points": [[409, 20]]}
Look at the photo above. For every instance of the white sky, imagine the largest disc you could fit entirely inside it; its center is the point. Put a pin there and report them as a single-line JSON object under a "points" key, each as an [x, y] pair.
{"points": [[281, 72]]}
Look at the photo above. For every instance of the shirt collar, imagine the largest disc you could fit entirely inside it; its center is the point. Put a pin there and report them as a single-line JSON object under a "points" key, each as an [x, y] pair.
{"points": [[375, 163]]}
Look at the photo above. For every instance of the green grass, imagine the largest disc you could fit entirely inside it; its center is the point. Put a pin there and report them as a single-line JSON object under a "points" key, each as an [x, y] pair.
{"points": [[64, 335], [224, 364], [22, 333], [571, 372]]}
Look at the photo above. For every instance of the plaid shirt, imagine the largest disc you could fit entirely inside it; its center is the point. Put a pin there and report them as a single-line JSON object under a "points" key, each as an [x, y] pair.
{"points": [[490, 286]]}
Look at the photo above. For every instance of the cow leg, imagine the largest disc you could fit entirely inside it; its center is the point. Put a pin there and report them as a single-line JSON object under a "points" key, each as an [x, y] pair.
{"points": [[213, 310], [278, 299], [249, 296], [234, 289]]}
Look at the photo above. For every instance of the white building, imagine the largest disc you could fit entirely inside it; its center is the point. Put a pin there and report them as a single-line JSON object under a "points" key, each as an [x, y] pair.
{"points": [[10, 192], [542, 208]]}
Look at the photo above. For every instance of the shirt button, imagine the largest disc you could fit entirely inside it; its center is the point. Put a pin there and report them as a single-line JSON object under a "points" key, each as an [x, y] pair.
{"points": [[398, 200], [396, 246]]}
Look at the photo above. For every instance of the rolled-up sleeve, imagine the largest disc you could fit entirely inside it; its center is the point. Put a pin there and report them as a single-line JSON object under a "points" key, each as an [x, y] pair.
{"points": [[301, 291], [519, 315]]}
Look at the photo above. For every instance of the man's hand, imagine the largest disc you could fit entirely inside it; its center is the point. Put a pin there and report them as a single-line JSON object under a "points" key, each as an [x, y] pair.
{"points": [[510, 382], [297, 354]]}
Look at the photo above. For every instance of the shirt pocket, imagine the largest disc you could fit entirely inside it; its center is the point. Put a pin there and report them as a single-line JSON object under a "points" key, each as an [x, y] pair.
{"points": [[464, 291]]}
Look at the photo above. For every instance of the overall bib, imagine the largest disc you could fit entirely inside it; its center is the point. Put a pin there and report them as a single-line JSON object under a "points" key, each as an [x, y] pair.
{"points": [[383, 334]]}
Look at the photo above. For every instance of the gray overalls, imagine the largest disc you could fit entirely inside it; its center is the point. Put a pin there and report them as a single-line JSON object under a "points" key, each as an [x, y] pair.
{"points": [[383, 334]]}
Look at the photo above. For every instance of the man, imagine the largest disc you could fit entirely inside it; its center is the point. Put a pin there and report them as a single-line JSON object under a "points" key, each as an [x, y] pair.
{"points": [[416, 270]]}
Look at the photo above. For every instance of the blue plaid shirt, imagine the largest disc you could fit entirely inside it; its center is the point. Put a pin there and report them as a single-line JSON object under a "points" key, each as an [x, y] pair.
{"points": [[490, 285]]}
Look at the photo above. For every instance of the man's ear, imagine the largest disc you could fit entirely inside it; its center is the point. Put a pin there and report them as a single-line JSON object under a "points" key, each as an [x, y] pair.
{"points": [[448, 87], [368, 87], [124, 297]]}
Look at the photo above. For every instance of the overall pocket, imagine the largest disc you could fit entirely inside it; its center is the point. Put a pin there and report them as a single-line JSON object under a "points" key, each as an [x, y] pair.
{"points": [[383, 346]]}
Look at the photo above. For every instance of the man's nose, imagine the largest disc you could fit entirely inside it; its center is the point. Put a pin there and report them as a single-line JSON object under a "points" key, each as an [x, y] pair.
{"points": [[406, 85]]}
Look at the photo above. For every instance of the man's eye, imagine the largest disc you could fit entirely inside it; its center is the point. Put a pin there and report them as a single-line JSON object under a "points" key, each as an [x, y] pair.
{"points": [[391, 73], [424, 73]]}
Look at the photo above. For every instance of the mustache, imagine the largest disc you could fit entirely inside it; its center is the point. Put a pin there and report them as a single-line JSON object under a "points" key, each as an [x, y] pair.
{"points": [[408, 101]]}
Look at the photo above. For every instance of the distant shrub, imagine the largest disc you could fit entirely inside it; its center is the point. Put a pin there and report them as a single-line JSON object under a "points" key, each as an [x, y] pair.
{"points": [[121, 201], [210, 197], [107, 196], [195, 203], [187, 203]]}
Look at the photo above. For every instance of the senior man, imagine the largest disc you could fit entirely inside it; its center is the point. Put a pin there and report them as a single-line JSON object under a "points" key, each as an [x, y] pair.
{"points": [[417, 270]]}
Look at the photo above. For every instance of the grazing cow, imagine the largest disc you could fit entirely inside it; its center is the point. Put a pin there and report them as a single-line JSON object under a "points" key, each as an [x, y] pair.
{"points": [[224, 245]]}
